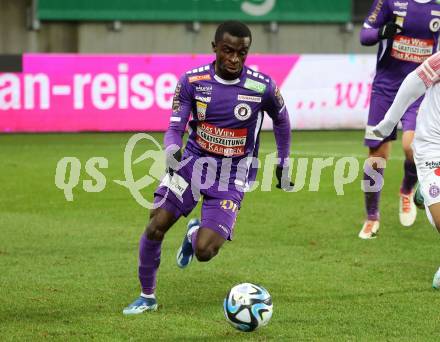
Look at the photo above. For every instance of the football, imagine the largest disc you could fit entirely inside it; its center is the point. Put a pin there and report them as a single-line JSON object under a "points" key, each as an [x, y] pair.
{"points": [[248, 306]]}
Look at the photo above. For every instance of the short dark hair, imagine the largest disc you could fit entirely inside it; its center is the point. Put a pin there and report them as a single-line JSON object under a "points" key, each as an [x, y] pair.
{"points": [[234, 28]]}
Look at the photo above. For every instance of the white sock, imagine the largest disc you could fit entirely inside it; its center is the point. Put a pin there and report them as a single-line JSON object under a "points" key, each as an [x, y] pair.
{"points": [[192, 231], [143, 295]]}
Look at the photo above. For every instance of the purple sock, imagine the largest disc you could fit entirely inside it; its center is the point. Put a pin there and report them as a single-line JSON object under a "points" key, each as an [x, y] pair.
{"points": [[372, 198], [409, 177], [149, 260]]}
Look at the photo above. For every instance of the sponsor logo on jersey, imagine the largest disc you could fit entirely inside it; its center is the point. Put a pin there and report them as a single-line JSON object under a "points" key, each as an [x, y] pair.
{"points": [[249, 98], [400, 17], [279, 97], [206, 99], [434, 190], [434, 24], [432, 164], [176, 101], [401, 5], [227, 142], [206, 90], [412, 49], [373, 16], [201, 110], [400, 20], [255, 86], [204, 77], [242, 111]]}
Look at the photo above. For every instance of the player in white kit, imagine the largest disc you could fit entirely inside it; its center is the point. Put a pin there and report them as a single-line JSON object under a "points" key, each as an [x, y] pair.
{"points": [[426, 145]]}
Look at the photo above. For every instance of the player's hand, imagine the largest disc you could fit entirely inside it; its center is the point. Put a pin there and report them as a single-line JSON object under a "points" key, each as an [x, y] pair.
{"points": [[389, 30], [283, 177], [173, 158]]}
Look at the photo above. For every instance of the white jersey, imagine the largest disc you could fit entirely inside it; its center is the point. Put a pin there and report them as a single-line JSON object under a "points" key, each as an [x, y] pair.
{"points": [[426, 145], [426, 142]]}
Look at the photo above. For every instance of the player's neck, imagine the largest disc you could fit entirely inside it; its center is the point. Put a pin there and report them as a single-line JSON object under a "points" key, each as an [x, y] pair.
{"points": [[226, 77]]}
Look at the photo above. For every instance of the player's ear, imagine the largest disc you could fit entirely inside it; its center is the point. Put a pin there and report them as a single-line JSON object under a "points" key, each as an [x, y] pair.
{"points": [[214, 47]]}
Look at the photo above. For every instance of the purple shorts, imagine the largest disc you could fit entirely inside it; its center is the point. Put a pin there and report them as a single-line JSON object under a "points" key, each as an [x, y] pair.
{"points": [[219, 208], [379, 105]]}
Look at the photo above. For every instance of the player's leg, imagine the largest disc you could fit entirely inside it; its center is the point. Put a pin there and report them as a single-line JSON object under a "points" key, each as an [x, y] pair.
{"points": [[434, 216], [150, 247], [216, 226], [407, 209], [170, 207], [373, 172], [370, 227], [429, 189]]}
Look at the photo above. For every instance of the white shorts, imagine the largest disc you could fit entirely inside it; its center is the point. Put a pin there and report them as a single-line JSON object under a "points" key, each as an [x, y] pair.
{"points": [[428, 173]]}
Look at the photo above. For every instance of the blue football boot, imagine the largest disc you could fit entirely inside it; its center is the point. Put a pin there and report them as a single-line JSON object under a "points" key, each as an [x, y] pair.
{"points": [[141, 305], [185, 252]]}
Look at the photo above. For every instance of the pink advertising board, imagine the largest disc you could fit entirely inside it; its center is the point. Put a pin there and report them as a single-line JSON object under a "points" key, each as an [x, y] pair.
{"points": [[74, 92]]}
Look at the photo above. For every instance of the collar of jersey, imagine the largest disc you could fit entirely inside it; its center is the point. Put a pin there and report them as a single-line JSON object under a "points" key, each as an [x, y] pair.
{"points": [[227, 82], [422, 1]]}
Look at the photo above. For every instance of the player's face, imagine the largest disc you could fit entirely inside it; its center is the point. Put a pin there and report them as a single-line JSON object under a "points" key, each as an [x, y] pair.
{"points": [[231, 53]]}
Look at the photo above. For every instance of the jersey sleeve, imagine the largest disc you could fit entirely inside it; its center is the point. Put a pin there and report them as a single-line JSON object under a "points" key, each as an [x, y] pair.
{"points": [[380, 13], [181, 110], [276, 109], [429, 70]]}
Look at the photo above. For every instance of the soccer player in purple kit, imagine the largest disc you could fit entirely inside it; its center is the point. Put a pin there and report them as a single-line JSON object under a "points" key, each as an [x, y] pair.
{"points": [[227, 101], [407, 32]]}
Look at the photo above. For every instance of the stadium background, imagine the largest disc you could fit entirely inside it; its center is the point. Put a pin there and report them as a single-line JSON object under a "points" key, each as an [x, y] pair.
{"points": [[68, 268], [72, 92]]}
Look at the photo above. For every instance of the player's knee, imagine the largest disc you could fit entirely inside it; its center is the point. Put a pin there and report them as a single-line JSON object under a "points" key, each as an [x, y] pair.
{"points": [[156, 228], [205, 253]]}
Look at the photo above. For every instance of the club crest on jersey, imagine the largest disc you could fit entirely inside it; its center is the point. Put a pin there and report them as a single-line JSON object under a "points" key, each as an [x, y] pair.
{"points": [[255, 86], [434, 25], [201, 110], [242, 111]]}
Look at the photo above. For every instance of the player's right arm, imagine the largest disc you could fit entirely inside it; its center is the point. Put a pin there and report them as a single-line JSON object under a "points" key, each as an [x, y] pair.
{"points": [[414, 86], [181, 110], [379, 24]]}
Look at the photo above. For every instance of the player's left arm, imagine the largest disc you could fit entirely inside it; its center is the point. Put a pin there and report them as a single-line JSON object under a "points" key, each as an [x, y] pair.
{"points": [[276, 109], [413, 86]]}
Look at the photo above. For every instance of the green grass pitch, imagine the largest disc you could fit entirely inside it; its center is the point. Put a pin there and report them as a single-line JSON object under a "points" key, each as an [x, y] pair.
{"points": [[67, 269]]}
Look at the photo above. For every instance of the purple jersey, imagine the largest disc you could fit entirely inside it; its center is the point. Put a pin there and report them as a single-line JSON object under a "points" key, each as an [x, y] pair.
{"points": [[397, 57], [227, 116]]}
